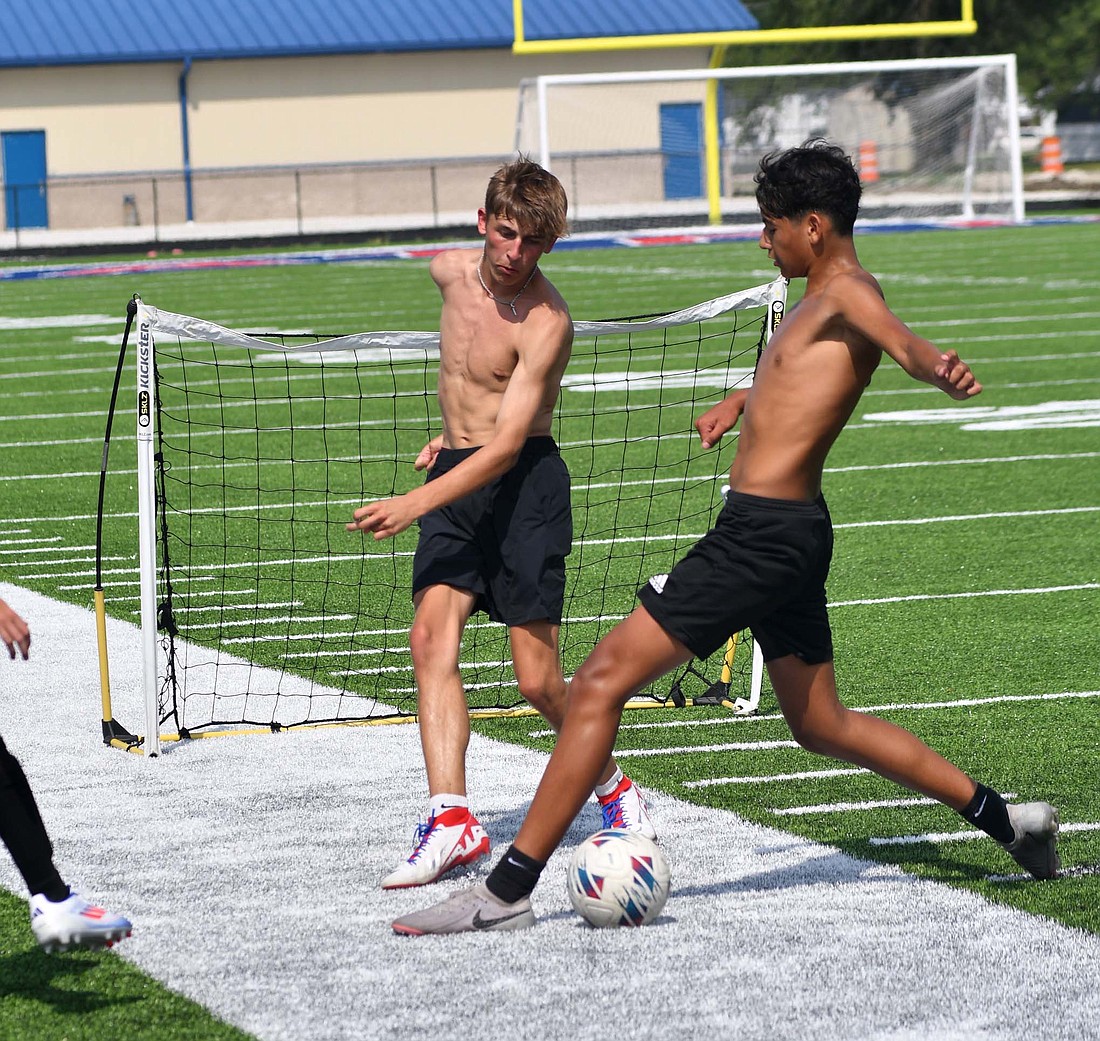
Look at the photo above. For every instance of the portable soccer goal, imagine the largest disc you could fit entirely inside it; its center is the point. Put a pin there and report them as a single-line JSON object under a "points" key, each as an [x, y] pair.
{"points": [[933, 137], [258, 609]]}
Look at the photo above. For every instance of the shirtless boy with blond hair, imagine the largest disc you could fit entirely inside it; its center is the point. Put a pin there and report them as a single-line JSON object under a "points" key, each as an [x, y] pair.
{"points": [[495, 515], [765, 562]]}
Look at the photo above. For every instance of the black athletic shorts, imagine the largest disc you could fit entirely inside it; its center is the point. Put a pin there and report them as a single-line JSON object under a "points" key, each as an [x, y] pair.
{"points": [[763, 566], [506, 542]]}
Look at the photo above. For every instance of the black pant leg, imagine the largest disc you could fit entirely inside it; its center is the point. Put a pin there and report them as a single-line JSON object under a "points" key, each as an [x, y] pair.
{"points": [[23, 832]]}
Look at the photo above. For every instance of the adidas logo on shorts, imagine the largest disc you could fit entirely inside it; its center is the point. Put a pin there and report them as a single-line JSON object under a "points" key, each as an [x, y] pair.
{"points": [[658, 583]]}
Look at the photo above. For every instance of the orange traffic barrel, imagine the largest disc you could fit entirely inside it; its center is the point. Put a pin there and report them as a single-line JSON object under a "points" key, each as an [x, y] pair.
{"points": [[868, 162], [1051, 156]]}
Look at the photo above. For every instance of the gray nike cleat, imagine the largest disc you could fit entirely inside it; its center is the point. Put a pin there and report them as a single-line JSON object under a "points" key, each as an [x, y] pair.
{"points": [[1035, 847], [469, 911]]}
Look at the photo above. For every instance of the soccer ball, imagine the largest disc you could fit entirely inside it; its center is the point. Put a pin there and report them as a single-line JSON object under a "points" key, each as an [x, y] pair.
{"points": [[617, 878]]}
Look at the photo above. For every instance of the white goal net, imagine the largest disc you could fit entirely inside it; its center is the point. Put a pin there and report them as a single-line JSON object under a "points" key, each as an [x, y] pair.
{"points": [[260, 610], [933, 138]]}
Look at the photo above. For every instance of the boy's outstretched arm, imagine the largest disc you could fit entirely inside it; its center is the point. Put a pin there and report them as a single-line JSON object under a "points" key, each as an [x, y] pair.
{"points": [[713, 423], [864, 310], [539, 369], [924, 361]]}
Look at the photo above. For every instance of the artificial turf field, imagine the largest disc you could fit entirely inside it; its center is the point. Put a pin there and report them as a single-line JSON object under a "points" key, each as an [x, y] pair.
{"points": [[964, 585]]}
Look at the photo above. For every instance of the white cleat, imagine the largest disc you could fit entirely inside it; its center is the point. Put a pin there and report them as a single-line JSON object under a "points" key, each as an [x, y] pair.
{"points": [[625, 810], [447, 840], [73, 922]]}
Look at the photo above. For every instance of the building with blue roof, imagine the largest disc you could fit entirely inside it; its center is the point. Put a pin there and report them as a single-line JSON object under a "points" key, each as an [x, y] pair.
{"points": [[108, 32], [131, 112]]}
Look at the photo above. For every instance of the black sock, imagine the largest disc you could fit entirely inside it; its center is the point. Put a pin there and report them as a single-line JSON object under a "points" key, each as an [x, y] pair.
{"points": [[988, 811], [514, 876]]}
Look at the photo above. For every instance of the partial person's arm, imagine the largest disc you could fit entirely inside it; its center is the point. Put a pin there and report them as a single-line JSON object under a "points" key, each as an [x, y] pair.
{"points": [[14, 632], [444, 268], [425, 459], [713, 423], [536, 377], [864, 310]]}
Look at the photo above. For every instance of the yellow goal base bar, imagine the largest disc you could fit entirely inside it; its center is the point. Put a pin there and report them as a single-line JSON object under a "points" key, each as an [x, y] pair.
{"points": [[116, 736]]}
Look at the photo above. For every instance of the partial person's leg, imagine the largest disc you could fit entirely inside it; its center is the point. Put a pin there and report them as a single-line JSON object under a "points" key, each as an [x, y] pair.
{"points": [[60, 919], [820, 723], [536, 660], [444, 718], [23, 832], [635, 653], [448, 835]]}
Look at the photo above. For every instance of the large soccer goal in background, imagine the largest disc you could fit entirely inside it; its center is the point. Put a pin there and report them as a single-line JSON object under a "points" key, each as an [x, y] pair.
{"points": [[934, 138], [259, 609]]}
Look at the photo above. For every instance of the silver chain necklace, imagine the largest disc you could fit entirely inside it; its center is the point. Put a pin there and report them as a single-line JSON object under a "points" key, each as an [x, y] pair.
{"points": [[510, 304]]}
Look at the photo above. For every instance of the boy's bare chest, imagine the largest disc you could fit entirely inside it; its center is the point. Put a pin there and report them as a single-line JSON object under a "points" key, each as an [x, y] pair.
{"points": [[810, 341], [484, 362]]}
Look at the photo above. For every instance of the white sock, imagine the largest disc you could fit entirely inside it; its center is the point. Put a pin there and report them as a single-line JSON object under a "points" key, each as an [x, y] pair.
{"points": [[610, 786], [446, 801]]}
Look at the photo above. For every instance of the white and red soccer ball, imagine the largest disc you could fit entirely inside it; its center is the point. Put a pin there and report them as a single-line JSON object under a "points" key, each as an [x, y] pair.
{"points": [[618, 878]]}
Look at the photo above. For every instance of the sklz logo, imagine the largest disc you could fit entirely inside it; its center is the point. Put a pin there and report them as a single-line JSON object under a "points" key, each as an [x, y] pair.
{"points": [[144, 403], [776, 315]]}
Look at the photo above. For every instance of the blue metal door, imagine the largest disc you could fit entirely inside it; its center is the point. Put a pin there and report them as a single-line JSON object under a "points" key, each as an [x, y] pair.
{"points": [[682, 149], [24, 157]]}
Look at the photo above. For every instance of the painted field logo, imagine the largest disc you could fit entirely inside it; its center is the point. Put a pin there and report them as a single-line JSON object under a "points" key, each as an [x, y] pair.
{"points": [[655, 380], [1050, 415]]}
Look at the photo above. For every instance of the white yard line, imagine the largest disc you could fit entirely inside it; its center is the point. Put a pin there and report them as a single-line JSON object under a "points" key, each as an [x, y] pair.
{"points": [[732, 746], [730, 719], [867, 804], [800, 775], [250, 866], [939, 837]]}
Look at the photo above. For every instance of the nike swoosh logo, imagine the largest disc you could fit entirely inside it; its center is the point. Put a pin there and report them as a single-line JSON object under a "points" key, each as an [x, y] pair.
{"points": [[488, 923]]}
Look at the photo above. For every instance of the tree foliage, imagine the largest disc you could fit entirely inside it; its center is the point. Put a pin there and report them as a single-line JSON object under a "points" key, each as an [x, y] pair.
{"points": [[1055, 43]]}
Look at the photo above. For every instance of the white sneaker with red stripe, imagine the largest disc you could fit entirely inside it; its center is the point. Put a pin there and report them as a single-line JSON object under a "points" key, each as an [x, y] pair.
{"points": [[73, 922], [447, 840], [625, 809]]}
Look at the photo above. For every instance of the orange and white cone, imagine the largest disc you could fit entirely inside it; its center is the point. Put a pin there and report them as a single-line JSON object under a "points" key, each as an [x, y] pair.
{"points": [[868, 162], [1051, 156]]}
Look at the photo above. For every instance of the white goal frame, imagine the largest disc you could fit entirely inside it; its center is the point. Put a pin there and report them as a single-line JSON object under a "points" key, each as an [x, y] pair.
{"points": [[543, 85]]}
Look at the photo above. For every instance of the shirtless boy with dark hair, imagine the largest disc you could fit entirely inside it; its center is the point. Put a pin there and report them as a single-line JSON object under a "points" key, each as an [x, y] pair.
{"points": [[495, 517], [765, 563]]}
